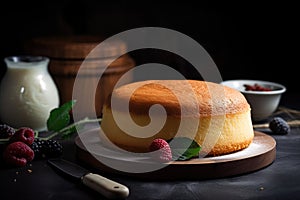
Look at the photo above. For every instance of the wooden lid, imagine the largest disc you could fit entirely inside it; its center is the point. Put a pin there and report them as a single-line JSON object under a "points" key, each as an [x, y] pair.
{"points": [[74, 47]]}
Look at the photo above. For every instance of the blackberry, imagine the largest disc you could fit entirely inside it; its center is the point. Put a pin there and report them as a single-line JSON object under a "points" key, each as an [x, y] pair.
{"points": [[6, 131], [279, 126], [52, 148], [37, 147]]}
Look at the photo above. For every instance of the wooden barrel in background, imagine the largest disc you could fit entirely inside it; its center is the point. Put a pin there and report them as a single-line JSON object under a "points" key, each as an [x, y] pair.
{"points": [[67, 53]]}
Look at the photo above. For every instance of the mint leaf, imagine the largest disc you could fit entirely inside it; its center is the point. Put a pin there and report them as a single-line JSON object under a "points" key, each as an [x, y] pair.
{"points": [[67, 133], [184, 148], [60, 117]]}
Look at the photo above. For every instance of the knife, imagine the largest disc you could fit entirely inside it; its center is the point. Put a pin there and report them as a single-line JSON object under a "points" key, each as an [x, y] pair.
{"points": [[108, 188]]}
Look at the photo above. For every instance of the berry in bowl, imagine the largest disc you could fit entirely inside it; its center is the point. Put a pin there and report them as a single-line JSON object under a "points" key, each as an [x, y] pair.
{"points": [[263, 96]]}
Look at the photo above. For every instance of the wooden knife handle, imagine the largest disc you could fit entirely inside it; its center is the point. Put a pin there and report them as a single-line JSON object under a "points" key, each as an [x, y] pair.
{"points": [[106, 187]]}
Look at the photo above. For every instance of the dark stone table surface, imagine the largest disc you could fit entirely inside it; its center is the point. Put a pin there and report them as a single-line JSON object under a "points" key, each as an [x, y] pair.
{"points": [[280, 180]]}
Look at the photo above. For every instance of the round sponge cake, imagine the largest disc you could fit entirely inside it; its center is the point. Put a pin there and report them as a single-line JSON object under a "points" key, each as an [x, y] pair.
{"points": [[222, 114]]}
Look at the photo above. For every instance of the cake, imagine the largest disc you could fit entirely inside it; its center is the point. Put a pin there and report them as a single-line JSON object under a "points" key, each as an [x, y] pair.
{"points": [[222, 114]]}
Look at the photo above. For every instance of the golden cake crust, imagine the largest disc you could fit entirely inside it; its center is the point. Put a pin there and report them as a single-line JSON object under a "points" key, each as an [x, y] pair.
{"points": [[212, 98]]}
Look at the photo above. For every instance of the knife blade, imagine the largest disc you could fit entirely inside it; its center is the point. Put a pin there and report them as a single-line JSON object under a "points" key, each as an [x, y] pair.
{"points": [[108, 188]]}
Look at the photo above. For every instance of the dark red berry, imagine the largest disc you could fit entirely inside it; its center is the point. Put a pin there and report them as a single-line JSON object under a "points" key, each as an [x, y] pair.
{"points": [[18, 154], [162, 151], [6, 131], [23, 134], [256, 87]]}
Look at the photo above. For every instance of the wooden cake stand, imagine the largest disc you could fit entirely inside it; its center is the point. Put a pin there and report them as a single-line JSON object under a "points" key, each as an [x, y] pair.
{"points": [[261, 153]]}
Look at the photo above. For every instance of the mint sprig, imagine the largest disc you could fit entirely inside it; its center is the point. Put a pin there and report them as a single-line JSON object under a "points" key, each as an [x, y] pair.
{"points": [[184, 148], [59, 121], [60, 117], [71, 129]]}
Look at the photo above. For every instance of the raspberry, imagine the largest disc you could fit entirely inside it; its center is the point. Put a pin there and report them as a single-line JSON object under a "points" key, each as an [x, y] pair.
{"points": [[6, 131], [279, 126], [52, 148], [164, 153], [23, 134], [18, 154], [256, 87]]}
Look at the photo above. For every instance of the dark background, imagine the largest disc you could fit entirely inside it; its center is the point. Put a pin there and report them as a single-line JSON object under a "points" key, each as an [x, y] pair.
{"points": [[249, 40]]}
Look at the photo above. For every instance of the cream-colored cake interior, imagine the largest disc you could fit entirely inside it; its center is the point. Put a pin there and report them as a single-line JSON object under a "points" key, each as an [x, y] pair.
{"points": [[224, 134]]}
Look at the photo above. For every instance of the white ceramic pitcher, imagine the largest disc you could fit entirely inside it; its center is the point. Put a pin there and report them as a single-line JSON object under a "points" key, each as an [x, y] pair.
{"points": [[27, 92]]}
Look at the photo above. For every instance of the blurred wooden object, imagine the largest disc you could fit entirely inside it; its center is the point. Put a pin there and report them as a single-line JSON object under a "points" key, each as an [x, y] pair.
{"points": [[67, 54]]}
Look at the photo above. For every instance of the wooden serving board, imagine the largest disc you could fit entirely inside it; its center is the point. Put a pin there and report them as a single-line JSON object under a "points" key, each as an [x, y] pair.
{"points": [[260, 154]]}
